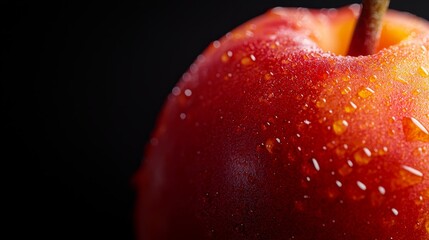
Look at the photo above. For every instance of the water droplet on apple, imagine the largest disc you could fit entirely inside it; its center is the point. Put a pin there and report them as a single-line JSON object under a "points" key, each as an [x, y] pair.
{"points": [[350, 107], [340, 126], [340, 151], [216, 44], [188, 92], [362, 156], [423, 71], [339, 184], [271, 144], [247, 60], [381, 190], [365, 92], [382, 151], [401, 80], [321, 103], [268, 76], [226, 56], [345, 170], [176, 91], [395, 211], [407, 176], [346, 90], [373, 78], [413, 171], [315, 164], [361, 185], [414, 130], [346, 78], [421, 151]]}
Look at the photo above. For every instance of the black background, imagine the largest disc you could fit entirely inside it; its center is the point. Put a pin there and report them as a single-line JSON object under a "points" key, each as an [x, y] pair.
{"points": [[82, 84]]}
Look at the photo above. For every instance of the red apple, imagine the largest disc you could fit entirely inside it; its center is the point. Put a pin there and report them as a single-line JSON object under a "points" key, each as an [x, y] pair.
{"points": [[274, 133]]}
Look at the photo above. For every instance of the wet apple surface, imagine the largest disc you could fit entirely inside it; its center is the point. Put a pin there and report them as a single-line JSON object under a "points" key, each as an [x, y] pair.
{"points": [[274, 133]]}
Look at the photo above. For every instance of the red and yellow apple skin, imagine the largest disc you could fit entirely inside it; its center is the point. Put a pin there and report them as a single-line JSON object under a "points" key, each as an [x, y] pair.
{"points": [[274, 134]]}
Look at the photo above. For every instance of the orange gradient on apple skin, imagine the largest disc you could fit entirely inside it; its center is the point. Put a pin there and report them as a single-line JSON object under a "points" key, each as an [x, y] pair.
{"points": [[274, 133]]}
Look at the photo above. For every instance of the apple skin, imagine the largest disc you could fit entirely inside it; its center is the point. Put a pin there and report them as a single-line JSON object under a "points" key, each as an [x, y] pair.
{"points": [[274, 134]]}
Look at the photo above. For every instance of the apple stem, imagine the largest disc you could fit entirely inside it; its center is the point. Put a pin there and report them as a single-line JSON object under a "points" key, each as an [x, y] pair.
{"points": [[368, 27]]}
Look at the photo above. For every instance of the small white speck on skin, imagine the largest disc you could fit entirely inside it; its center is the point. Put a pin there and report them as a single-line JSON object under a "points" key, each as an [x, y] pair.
{"points": [[395, 211], [350, 163], [308, 179], [252, 57], [299, 148], [183, 116], [278, 140], [307, 122]]}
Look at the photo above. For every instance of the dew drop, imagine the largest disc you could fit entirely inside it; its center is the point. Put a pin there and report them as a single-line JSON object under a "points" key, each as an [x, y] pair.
{"points": [[420, 151], [246, 61], [345, 170], [216, 44], [340, 126], [340, 151], [361, 185], [315, 164], [381, 190], [414, 130], [401, 80], [268, 76], [407, 176], [188, 92], [346, 90], [350, 107], [270, 145], [362, 156], [383, 151], [395, 211], [339, 184], [413, 171], [176, 91], [423, 71], [346, 78], [365, 92], [224, 58], [321, 103]]}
